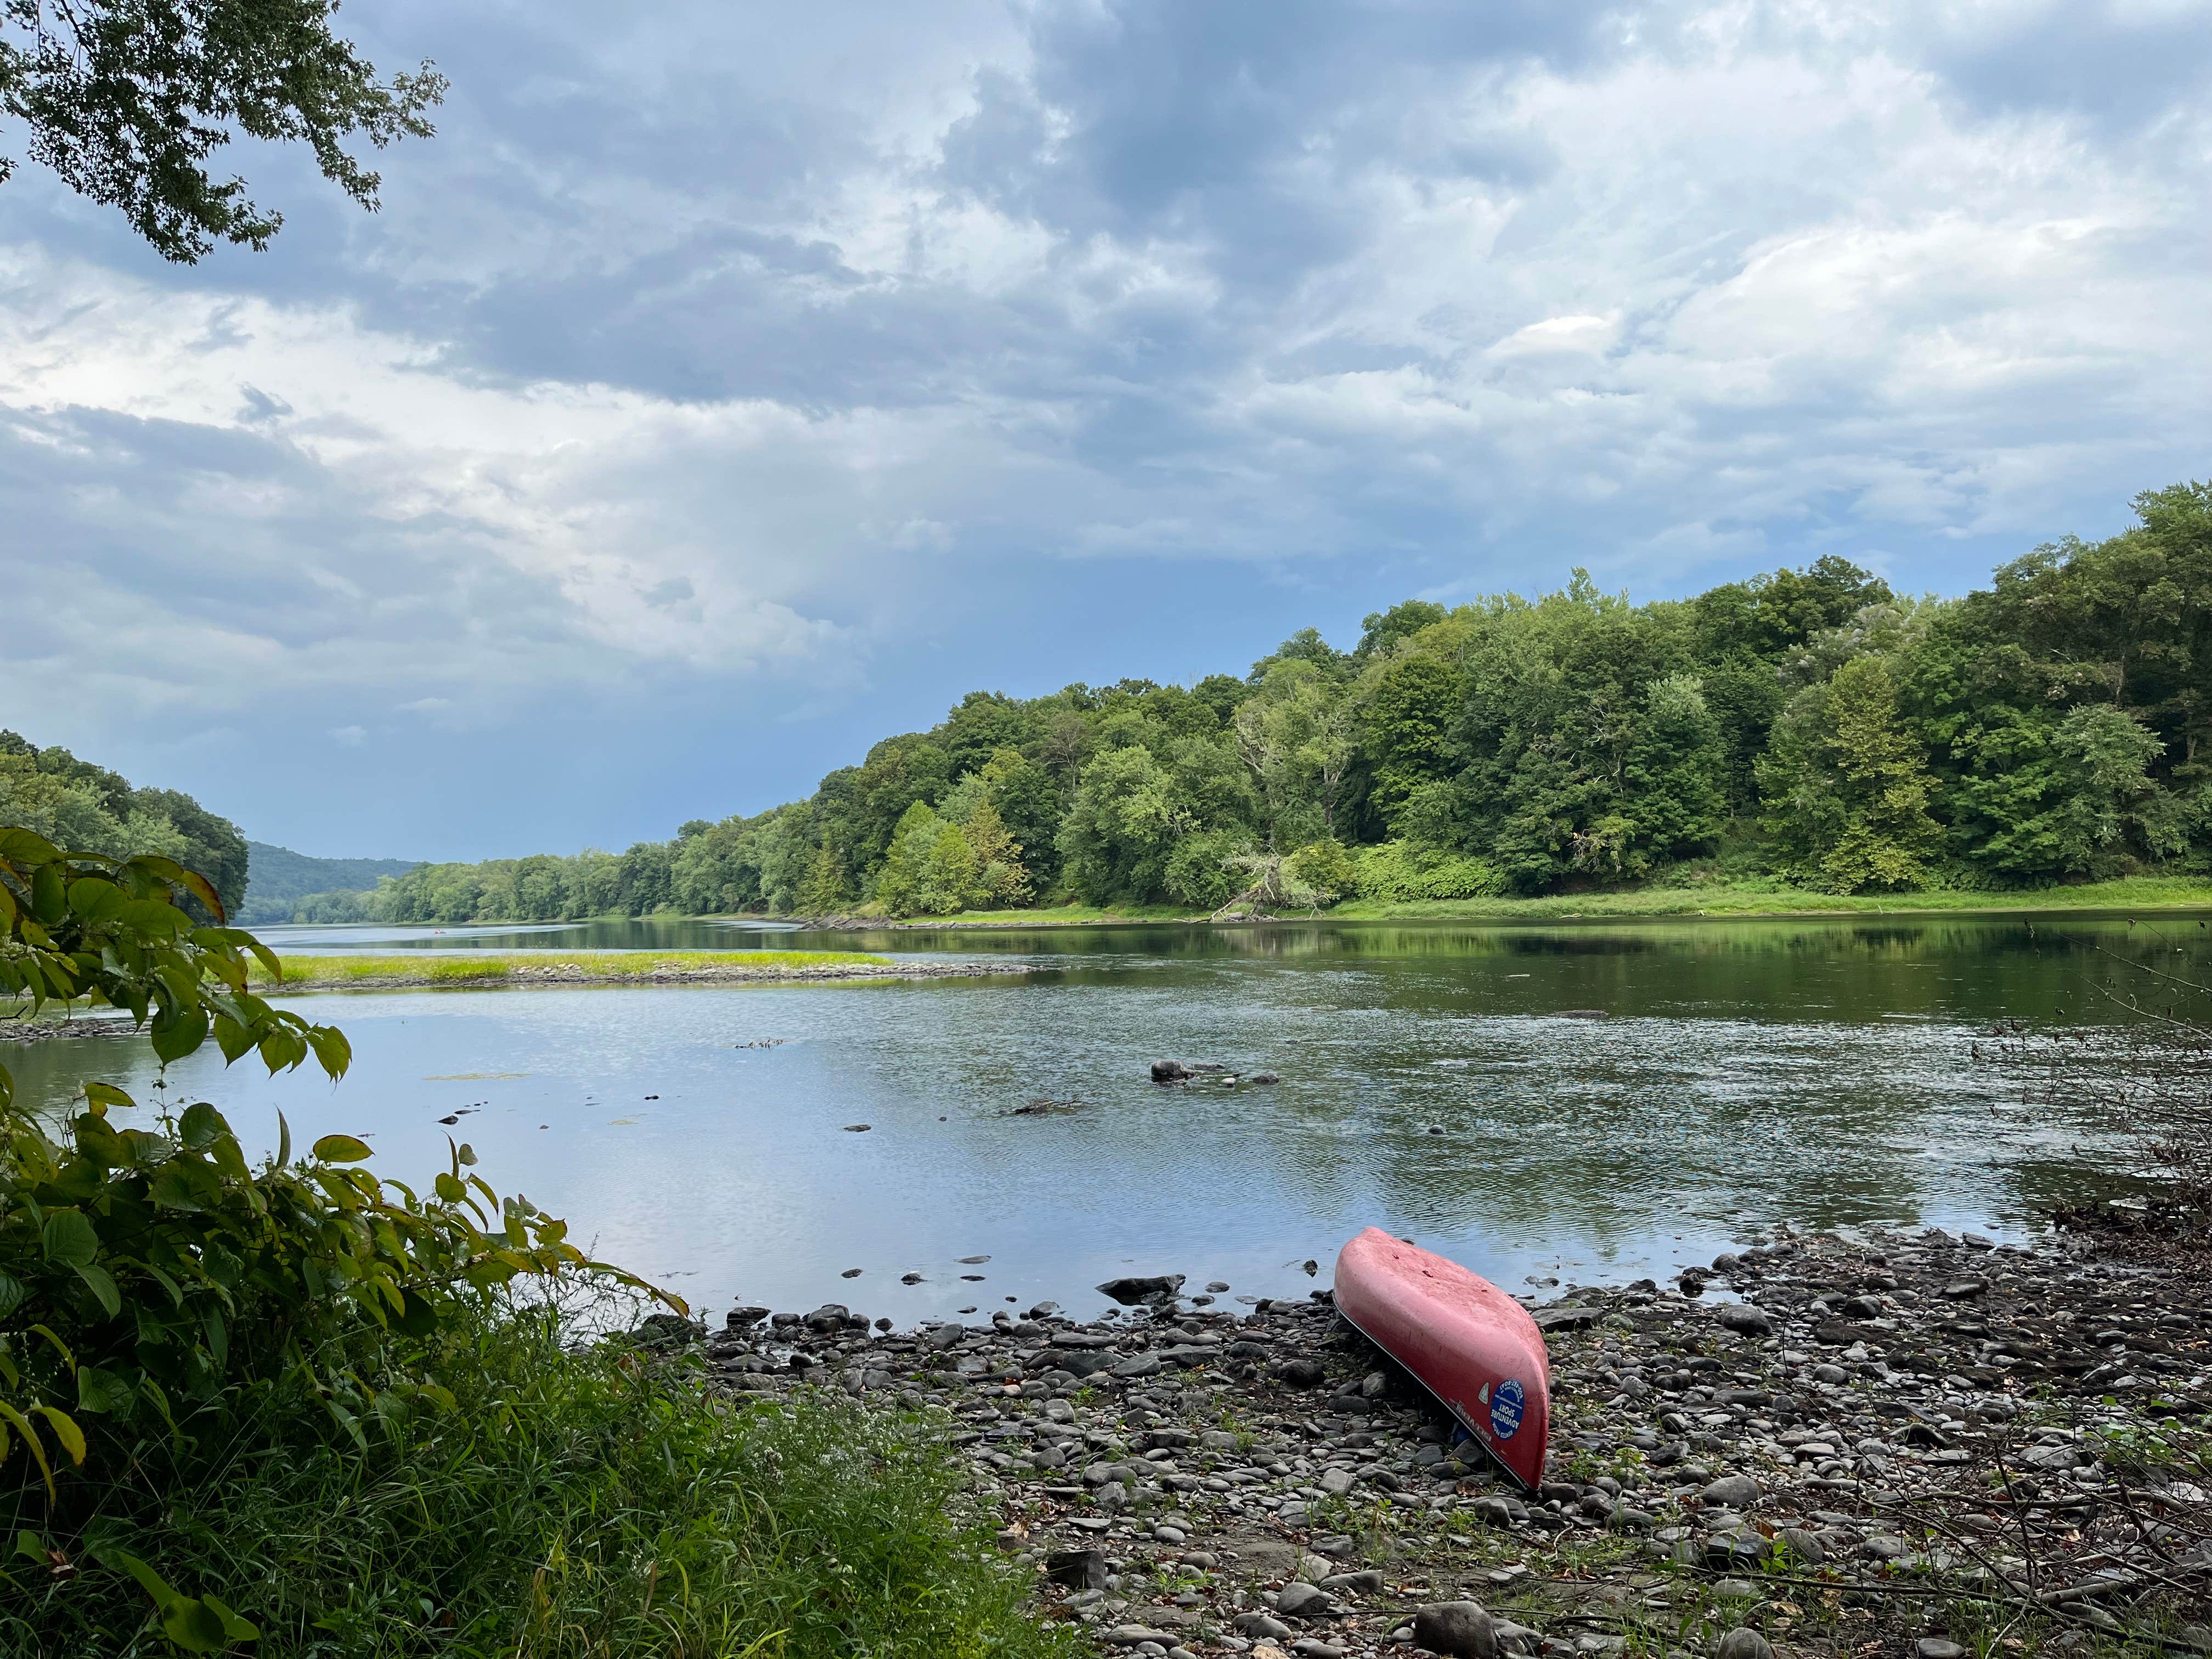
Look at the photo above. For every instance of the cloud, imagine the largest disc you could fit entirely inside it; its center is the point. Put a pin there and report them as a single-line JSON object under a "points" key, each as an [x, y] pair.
{"points": [[686, 375]]}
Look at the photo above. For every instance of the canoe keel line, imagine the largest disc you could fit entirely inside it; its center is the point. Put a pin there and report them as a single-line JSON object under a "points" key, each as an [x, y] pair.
{"points": [[1468, 1343]]}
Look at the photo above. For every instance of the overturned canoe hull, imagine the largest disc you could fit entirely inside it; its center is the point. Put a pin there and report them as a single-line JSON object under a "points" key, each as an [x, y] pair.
{"points": [[1461, 1338]]}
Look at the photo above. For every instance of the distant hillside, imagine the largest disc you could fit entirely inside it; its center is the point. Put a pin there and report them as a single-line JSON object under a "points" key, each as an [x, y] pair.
{"points": [[277, 877]]}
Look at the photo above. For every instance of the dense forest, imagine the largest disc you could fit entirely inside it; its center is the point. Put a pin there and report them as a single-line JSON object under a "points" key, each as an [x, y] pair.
{"points": [[1810, 726], [87, 808]]}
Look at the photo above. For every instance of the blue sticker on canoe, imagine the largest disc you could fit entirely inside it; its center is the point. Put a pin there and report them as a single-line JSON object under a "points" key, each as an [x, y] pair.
{"points": [[1505, 1408]]}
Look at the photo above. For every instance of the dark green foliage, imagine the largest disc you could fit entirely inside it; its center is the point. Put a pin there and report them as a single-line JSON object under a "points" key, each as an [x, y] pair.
{"points": [[1405, 720], [89, 809], [128, 101], [2056, 727]]}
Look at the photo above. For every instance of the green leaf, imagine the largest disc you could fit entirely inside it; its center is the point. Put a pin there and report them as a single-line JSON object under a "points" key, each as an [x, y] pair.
{"points": [[66, 1431], [69, 1240], [194, 1626], [418, 1314], [100, 1095], [467, 1154], [235, 1628], [450, 1188], [340, 1149], [95, 898], [332, 1052], [101, 1283], [27, 1543], [22, 1425], [200, 1125], [234, 1039], [182, 1185], [98, 1390], [181, 1036], [27, 847], [176, 1290], [282, 1050], [152, 916], [49, 894], [12, 1293], [148, 1580]]}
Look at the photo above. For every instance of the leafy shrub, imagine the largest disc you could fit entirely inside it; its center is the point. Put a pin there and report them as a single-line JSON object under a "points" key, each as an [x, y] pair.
{"points": [[155, 1289], [1326, 869], [1200, 872], [1397, 871]]}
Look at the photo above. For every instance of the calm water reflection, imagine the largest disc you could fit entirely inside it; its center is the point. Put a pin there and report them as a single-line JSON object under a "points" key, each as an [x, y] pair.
{"points": [[1817, 1072]]}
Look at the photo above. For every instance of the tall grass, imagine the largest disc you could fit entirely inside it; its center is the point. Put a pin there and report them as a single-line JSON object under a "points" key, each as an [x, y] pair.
{"points": [[598, 1505]]}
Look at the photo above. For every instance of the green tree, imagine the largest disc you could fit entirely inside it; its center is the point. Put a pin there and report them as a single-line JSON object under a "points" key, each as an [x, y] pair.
{"points": [[1295, 738], [1001, 879], [1674, 791], [823, 892], [1405, 714], [1385, 630], [905, 885], [898, 772], [1028, 802], [1848, 785], [1120, 829]]}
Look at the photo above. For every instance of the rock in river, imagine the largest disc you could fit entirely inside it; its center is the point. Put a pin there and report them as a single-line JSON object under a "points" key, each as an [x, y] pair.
{"points": [[1142, 1287]]}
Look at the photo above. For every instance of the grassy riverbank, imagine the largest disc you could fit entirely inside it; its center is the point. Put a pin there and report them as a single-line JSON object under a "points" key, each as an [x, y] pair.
{"points": [[1750, 898], [568, 1502], [428, 968]]}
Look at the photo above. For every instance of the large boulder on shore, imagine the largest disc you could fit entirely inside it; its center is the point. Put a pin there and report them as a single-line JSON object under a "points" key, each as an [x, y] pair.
{"points": [[1462, 1629]]}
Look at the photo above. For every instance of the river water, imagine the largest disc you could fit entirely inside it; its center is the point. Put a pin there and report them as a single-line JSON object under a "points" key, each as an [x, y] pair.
{"points": [[1817, 1072]]}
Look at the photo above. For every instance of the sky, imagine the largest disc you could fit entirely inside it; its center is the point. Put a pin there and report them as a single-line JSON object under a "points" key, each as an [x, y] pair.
{"points": [[725, 388]]}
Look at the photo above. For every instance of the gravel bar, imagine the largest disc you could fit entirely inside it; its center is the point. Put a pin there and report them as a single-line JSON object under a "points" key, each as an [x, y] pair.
{"points": [[1919, 1445]]}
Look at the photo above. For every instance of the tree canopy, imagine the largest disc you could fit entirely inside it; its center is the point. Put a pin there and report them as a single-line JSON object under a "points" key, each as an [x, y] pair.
{"points": [[128, 101]]}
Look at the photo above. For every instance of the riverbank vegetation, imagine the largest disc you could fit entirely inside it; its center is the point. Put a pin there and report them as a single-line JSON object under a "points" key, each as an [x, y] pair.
{"points": [[1812, 729], [1754, 897], [291, 1407], [306, 972]]}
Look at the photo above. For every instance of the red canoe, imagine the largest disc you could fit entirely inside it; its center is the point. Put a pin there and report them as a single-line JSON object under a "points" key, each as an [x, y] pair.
{"points": [[1465, 1340]]}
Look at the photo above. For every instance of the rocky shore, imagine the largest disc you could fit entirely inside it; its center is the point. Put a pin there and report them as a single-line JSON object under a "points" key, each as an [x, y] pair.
{"points": [[37, 1030], [1919, 1445]]}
